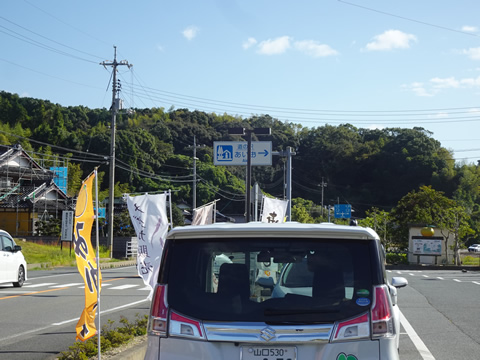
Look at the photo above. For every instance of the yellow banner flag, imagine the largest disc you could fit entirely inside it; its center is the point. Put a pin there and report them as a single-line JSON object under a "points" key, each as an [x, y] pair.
{"points": [[86, 260]]}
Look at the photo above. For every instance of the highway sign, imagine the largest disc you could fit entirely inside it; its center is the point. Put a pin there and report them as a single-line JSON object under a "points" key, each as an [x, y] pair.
{"points": [[235, 153], [343, 211]]}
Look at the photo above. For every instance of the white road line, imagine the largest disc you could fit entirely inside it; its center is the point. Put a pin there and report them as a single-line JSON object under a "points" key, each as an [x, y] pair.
{"points": [[69, 321], [425, 276], [411, 274], [66, 285], [419, 344], [440, 278], [476, 282], [39, 285], [457, 280], [123, 287]]}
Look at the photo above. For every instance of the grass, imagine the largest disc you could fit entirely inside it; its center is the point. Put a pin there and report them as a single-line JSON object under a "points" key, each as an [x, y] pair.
{"points": [[53, 254], [470, 260]]}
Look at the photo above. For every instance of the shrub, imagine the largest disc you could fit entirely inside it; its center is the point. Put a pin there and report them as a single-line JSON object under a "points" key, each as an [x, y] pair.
{"points": [[397, 258], [110, 338]]}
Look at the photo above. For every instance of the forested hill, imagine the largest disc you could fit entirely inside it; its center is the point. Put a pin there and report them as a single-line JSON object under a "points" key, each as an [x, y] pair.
{"points": [[154, 151]]}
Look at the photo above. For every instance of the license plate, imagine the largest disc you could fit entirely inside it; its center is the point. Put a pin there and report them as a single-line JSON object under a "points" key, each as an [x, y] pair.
{"points": [[268, 353]]}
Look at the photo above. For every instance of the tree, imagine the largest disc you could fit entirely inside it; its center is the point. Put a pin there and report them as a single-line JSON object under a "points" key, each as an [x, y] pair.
{"points": [[431, 207]]}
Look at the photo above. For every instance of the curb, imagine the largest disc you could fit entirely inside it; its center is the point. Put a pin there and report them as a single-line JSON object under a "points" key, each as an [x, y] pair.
{"points": [[136, 352], [104, 265]]}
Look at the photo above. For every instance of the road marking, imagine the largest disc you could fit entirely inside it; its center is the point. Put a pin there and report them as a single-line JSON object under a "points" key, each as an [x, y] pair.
{"points": [[476, 282], [419, 344], [425, 276], [411, 274], [68, 321], [66, 285], [123, 287], [440, 278], [457, 280], [31, 293], [103, 312], [39, 285]]}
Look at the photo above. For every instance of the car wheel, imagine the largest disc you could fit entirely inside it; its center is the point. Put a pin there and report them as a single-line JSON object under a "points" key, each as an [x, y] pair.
{"points": [[21, 277]]}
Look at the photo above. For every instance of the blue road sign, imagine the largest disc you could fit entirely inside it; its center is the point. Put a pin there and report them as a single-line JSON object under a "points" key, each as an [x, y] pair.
{"points": [[236, 153], [343, 211]]}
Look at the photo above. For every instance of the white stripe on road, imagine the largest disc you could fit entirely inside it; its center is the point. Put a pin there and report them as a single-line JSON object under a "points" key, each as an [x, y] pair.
{"points": [[440, 278], [123, 287], [419, 344], [66, 285], [68, 321], [457, 280], [38, 285], [476, 282]]}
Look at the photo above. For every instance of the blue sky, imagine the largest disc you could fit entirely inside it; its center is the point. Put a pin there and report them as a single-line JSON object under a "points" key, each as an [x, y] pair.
{"points": [[370, 63]]}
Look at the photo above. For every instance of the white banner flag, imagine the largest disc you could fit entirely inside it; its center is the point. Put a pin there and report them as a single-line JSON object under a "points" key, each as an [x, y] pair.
{"points": [[203, 215], [274, 210], [149, 218]]}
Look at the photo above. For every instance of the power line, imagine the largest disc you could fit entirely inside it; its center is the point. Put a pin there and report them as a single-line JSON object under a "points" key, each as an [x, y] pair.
{"points": [[409, 19]]}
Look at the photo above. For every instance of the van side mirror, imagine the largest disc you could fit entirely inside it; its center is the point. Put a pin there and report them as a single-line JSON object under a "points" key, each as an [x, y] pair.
{"points": [[17, 248]]}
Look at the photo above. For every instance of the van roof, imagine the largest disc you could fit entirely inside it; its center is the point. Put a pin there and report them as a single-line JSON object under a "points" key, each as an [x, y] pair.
{"points": [[287, 229]]}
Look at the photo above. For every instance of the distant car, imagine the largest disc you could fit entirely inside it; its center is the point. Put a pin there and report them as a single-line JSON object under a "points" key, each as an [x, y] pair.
{"points": [[13, 267], [474, 248], [294, 279]]}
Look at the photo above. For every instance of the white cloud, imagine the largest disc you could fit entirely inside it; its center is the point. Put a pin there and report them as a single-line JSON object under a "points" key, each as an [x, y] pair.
{"points": [[282, 44], [445, 83], [436, 85], [275, 46], [418, 89], [391, 39], [249, 43], [473, 53], [468, 28], [439, 115], [376, 127], [190, 32], [315, 49]]}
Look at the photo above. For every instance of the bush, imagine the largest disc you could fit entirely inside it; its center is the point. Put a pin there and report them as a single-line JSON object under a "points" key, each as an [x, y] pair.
{"points": [[397, 258], [110, 338]]}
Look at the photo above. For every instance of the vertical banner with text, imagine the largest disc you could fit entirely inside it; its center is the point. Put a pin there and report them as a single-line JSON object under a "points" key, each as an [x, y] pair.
{"points": [[149, 218], [86, 260]]}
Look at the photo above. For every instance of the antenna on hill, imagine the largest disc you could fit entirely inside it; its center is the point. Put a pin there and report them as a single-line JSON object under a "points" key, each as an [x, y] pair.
{"points": [[116, 105]]}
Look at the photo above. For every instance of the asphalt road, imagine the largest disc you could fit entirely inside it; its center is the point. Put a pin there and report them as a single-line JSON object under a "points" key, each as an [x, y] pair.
{"points": [[441, 310], [38, 320]]}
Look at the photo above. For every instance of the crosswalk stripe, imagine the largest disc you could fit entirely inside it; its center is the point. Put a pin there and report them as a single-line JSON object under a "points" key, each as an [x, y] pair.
{"points": [[66, 285], [123, 287], [39, 285]]}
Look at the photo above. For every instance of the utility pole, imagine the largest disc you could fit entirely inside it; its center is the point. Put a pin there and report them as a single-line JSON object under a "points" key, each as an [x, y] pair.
{"points": [[323, 185], [194, 194], [288, 178], [116, 105]]}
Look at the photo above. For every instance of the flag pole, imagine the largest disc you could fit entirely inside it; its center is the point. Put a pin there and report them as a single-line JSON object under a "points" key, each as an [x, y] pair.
{"points": [[98, 266]]}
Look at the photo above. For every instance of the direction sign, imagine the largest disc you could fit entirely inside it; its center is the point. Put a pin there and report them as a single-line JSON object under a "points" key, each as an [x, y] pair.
{"points": [[343, 211], [236, 153]]}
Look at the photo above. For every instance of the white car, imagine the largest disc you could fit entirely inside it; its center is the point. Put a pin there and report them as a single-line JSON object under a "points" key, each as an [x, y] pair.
{"points": [[474, 248], [335, 302], [13, 267]]}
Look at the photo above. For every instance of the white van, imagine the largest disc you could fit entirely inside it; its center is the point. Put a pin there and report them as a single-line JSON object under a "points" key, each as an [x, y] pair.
{"points": [[348, 312], [13, 267]]}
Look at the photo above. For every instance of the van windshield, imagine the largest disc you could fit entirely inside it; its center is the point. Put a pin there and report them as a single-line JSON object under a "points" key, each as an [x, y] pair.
{"points": [[282, 280]]}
